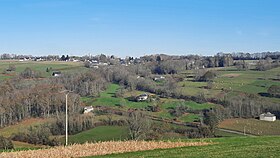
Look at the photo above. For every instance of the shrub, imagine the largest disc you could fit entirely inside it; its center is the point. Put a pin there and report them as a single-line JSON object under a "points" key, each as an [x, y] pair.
{"points": [[5, 143]]}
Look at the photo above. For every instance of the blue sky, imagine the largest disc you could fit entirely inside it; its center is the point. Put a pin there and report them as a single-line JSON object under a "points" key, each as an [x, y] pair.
{"points": [[138, 27]]}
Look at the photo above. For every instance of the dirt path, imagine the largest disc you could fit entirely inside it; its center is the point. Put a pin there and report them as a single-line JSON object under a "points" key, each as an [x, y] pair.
{"points": [[235, 132]]}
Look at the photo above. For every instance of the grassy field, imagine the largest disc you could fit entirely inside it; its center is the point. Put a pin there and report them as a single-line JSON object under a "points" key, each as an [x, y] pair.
{"points": [[21, 126], [242, 147], [9, 130], [219, 133], [26, 146], [250, 81], [231, 147], [189, 117], [107, 98], [252, 126], [101, 133], [40, 66]]}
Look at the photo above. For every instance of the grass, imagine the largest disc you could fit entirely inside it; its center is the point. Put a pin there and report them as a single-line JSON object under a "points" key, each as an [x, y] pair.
{"points": [[39, 66], [253, 126], [230, 79], [189, 117], [9, 130], [26, 146], [107, 98], [230, 147], [101, 133], [192, 105], [219, 133], [242, 147]]}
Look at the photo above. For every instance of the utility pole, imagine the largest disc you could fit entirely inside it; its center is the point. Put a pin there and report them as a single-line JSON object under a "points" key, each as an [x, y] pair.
{"points": [[66, 120], [66, 115]]}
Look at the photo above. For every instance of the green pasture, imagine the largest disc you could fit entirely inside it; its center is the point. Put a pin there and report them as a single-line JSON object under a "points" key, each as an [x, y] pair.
{"points": [[233, 81], [101, 133], [39, 66], [230, 147], [107, 98]]}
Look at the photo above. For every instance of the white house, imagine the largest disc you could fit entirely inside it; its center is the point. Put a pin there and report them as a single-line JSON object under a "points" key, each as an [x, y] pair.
{"points": [[142, 97], [56, 73], [267, 117], [159, 78], [88, 109]]}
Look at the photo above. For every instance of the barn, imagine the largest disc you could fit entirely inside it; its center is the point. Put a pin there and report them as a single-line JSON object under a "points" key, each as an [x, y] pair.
{"points": [[267, 117]]}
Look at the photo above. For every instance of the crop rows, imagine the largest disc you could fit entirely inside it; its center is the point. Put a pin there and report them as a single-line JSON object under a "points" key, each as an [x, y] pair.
{"points": [[102, 148]]}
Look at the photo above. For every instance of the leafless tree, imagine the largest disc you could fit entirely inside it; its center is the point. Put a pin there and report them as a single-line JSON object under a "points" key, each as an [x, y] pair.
{"points": [[138, 124]]}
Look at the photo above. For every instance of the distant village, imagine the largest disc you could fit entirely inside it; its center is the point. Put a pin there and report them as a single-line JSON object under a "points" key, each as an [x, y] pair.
{"points": [[194, 61]]}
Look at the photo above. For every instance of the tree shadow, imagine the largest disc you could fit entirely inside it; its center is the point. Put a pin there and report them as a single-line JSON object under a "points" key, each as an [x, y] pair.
{"points": [[264, 94]]}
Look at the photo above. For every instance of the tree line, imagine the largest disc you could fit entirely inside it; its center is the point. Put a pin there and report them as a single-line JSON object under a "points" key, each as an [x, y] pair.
{"points": [[23, 97]]}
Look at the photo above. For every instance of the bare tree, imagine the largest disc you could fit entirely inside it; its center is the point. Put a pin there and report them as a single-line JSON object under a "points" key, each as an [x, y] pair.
{"points": [[139, 126]]}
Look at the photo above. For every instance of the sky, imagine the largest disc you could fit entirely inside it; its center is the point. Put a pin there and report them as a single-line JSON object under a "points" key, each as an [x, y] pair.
{"points": [[138, 27]]}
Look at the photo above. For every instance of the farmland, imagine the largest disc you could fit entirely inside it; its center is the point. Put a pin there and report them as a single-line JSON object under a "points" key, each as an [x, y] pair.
{"points": [[247, 147], [101, 133], [40, 66], [252, 126], [228, 81], [254, 82], [107, 98], [162, 78], [12, 129], [102, 148], [244, 147]]}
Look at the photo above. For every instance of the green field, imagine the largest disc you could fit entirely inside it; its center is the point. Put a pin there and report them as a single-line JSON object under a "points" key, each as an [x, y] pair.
{"points": [[39, 66], [234, 81], [107, 98], [101, 133], [241, 147], [189, 117]]}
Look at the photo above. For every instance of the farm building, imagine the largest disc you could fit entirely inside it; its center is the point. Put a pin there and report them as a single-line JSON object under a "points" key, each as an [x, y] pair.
{"points": [[88, 109], [56, 73], [267, 117], [142, 97], [159, 78]]}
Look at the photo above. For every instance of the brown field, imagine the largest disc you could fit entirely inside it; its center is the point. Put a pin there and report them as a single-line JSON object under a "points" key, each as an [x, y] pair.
{"points": [[18, 145], [9, 130], [252, 126], [102, 148], [231, 75]]}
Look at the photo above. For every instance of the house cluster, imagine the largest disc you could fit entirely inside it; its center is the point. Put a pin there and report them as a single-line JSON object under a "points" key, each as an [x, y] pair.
{"points": [[96, 64], [268, 117]]}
